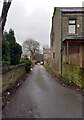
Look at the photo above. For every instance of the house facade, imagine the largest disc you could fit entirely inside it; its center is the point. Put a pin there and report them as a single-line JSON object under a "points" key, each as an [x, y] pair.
{"points": [[67, 40], [74, 51]]}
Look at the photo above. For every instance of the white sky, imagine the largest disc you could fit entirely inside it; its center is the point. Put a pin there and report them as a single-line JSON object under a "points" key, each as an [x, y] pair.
{"points": [[32, 18]]}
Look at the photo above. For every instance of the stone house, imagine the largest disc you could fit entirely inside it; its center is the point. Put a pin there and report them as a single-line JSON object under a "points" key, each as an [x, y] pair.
{"points": [[66, 25], [67, 43]]}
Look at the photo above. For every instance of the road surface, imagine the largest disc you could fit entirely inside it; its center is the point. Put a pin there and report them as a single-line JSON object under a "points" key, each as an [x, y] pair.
{"points": [[41, 96]]}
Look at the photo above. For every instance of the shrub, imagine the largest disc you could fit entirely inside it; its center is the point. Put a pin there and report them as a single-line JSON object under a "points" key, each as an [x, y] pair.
{"points": [[35, 63], [27, 63], [11, 50], [5, 63], [28, 66], [23, 60]]}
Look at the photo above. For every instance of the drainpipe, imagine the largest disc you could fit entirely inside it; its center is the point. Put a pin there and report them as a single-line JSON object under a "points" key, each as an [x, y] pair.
{"points": [[61, 43]]}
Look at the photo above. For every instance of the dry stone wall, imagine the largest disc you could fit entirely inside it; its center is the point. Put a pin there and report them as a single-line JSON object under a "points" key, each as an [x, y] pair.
{"points": [[11, 74]]}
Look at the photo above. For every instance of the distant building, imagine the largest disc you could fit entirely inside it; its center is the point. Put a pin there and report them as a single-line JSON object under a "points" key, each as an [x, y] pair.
{"points": [[46, 54]]}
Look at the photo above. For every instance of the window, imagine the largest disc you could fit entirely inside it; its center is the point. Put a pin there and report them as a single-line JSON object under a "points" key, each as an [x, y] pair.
{"points": [[53, 55], [72, 26]]}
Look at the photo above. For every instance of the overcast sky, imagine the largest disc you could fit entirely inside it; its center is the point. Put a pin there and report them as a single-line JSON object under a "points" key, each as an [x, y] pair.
{"points": [[32, 18]]}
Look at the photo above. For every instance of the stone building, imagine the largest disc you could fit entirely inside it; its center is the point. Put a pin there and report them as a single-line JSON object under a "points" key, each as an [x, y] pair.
{"points": [[67, 25], [46, 55]]}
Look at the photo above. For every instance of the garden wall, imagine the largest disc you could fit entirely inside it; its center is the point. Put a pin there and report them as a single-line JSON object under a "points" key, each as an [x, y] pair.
{"points": [[11, 74], [73, 73]]}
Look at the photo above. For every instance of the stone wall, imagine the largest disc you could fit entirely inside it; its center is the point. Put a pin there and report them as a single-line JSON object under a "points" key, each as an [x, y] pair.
{"points": [[56, 62], [11, 74], [73, 73], [65, 24]]}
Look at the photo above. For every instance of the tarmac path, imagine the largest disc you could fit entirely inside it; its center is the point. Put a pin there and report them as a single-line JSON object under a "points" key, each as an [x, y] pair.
{"points": [[41, 96]]}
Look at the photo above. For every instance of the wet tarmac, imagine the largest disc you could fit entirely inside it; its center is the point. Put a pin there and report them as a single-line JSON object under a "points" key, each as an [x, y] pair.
{"points": [[41, 96]]}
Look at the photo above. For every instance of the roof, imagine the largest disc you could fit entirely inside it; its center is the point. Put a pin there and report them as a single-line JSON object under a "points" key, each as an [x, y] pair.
{"points": [[71, 9], [75, 38]]}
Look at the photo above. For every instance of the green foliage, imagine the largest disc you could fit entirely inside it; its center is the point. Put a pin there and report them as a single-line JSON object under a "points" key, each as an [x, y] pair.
{"points": [[11, 50], [48, 68], [5, 48], [11, 37], [23, 60], [27, 66], [16, 54], [35, 63], [5, 63], [73, 75], [27, 62]]}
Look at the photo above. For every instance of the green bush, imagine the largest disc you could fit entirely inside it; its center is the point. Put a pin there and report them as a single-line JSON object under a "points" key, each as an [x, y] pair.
{"points": [[27, 62], [11, 50], [28, 66], [23, 60], [5, 63], [35, 63]]}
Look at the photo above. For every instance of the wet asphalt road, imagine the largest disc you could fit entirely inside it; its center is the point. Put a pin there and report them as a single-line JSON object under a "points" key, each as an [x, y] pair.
{"points": [[42, 96]]}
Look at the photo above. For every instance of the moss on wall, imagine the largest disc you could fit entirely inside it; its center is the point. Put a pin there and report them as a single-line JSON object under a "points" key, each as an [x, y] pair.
{"points": [[73, 74], [11, 75]]}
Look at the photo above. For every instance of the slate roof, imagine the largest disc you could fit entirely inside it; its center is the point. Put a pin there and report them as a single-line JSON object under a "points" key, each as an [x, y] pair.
{"points": [[75, 38], [71, 9]]}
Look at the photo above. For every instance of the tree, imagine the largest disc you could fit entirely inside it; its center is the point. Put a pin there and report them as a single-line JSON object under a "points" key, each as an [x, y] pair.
{"points": [[32, 46], [39, 57], [6, 6], [16, 54], [5, 48], [3, 17], [10, 48]]}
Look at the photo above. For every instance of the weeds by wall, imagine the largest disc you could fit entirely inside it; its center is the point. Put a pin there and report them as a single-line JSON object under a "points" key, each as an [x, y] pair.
{"points": [[73, 74]]}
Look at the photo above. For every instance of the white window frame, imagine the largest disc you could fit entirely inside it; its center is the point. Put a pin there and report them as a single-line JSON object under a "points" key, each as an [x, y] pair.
{"points": [[72, 26]]}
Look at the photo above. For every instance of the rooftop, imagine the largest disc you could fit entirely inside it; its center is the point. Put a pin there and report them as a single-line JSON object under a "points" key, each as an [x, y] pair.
{"points": [[71, 9], [75, 38]]}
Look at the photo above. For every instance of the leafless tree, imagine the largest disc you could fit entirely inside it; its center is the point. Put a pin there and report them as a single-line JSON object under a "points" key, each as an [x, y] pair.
{"points": [[3, 17], [31, 46]]}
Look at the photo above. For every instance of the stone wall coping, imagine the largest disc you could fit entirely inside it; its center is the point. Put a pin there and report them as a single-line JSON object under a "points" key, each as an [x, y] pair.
{"points": [[7, 69]]}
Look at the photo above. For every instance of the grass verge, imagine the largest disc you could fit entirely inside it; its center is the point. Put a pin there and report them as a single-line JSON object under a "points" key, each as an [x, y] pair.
{"points": [[62, 80]]}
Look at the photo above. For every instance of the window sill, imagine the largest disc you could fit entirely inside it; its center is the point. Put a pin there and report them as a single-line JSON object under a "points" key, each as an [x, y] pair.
{"points": [[71, 34]]}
